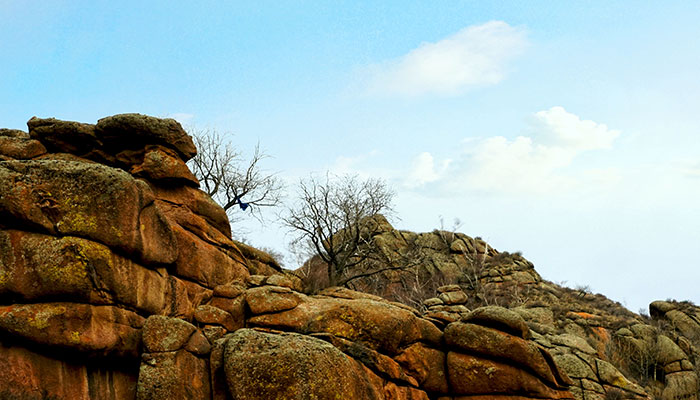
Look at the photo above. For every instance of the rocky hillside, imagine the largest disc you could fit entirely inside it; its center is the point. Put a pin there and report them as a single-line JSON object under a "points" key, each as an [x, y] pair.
{"points": [[119, 280], [607, 351]]}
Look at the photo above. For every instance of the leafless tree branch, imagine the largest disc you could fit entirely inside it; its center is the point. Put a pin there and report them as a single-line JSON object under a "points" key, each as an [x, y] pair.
{"points": [[333, 217], [230, 179]]}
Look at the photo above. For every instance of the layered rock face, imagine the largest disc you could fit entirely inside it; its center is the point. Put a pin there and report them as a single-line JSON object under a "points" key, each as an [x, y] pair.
{"points": [[606, 350], [119, 280]]}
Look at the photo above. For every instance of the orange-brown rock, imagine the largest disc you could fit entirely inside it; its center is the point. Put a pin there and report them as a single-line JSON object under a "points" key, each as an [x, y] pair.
{"points": [[36, 266], [161, 333], [199, 261], [173, 375], [96, 331], [377, 324], [14, 133], [500, 318], [272, 299], [27, 375], [475, 339], [473, 375], [379, 364], [164, 165], [208, 314], [426, 365], [292, 366], [64, 136], [20, 148], [128, 131], [62, 197], [198, 206], [234, 307]]}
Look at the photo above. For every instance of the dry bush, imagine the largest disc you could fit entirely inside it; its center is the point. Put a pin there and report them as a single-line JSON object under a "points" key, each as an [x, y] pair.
{"points": [[638, 361], [615, 394]]}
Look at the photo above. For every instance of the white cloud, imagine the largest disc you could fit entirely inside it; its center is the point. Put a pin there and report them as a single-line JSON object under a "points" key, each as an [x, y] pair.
{"points": [[536, 164], [423, 170], [569, 131], [475, 56]]}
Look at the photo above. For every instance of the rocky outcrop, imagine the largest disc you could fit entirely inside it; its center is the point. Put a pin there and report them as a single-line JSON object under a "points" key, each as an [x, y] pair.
{"points": [[119, 280], [607, 351]]}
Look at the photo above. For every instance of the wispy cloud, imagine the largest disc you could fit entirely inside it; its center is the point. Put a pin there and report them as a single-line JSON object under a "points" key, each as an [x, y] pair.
{"points": [[525, 164], [475, 56]]}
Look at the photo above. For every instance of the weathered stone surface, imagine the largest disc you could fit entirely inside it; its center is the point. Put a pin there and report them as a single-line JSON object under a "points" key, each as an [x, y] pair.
{"points": [[499, 318], [475, 339], [472, 375], [161, 333], [234, 307], [659, 307], [259, 262], [378, 325], [681, 385], [575, 367], [127, 131], [64, 136], [343, 293], [207, 314], [684, 323], [198, 260], [186, 297], [668, 351], [14, 133], [608, 374], [271, 299], [573, 341], [379, 364], [162, 164], [36, 266], [200, 205], [449, 288], [453, 297], [28, 375], [96, 331], [288, 281], [20, 148], [198, 344], [62, 197], [426, 365], [292, 366], [433, 301], [230, 290], [173, 375]]}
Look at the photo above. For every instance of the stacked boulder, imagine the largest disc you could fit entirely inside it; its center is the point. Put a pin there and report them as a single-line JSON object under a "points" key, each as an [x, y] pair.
{"points": [[119, 280], [101, 226], [608, 351], [365, 347], [448, 307]]}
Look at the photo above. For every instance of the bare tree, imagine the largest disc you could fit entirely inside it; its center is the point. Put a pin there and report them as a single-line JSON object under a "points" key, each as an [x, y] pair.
{"points": [[233, 182], [333, 217]]}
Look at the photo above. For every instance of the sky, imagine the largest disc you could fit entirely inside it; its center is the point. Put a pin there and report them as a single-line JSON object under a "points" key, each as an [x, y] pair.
{"points": [[566, 130]]}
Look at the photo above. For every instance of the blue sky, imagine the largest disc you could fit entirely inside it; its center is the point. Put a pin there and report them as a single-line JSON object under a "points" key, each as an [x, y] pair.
{"points": [[565, 130]]}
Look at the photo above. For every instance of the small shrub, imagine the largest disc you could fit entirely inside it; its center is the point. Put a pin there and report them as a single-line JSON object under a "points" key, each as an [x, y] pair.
{"points": [[614, 394]]}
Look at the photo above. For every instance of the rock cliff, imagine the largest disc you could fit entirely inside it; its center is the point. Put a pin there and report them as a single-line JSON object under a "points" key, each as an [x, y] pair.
{"points": [[119, 280], [606, 350]]}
